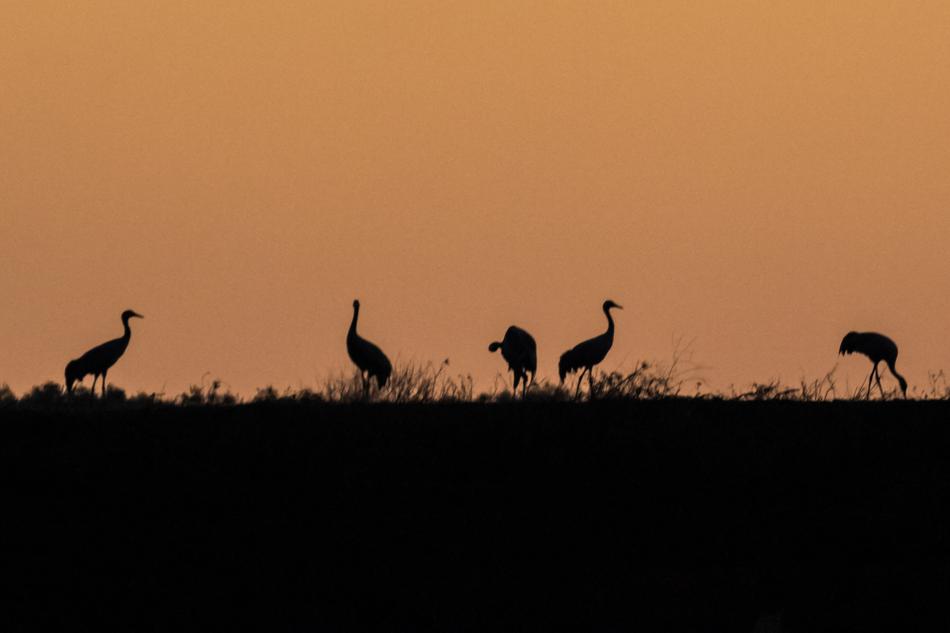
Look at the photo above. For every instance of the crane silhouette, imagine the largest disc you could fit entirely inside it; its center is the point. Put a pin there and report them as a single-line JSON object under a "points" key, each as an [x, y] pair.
{"points": [[876, 347], [585, 355], [368, 358], [99, 359], [521, 352]]}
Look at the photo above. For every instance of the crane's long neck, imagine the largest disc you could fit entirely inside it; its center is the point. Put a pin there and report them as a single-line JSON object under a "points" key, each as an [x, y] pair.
{"points": [[356, 316], [900, 379], [128, 331], [610, 324]]}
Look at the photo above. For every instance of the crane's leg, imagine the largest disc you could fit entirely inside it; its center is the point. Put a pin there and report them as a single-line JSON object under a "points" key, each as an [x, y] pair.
{"points": [[580, 379], [104, 374], [590, 381], [877, 375], [870, 382], [514, 390], [524, 385], [95, 377]]}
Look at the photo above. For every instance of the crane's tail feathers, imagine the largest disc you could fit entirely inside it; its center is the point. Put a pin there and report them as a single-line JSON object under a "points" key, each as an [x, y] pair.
{"points": [[567, 364], [494, 346]]}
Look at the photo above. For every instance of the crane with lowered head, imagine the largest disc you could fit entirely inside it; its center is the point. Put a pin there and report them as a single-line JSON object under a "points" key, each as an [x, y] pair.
{"points": [[521, 352], [877, 348]]}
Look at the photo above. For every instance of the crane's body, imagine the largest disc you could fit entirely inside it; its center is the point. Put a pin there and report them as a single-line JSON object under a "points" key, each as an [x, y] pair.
{"points": [[99, 359], [587, 354], [877, 348], [368, 358], [521, 352]]}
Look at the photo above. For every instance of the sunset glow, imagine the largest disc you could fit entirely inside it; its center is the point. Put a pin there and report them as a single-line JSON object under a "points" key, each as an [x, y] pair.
{"points": [[756, 179]]}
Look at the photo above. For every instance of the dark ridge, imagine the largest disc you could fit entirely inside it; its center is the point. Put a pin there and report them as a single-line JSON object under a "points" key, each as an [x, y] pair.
{"points": [[674, 515]]}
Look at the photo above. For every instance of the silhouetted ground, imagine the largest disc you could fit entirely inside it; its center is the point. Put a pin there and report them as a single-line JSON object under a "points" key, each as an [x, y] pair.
{"points": [[675, 515]]}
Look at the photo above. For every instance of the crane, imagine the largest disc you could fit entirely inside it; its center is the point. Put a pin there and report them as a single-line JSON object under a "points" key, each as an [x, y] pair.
{"points": [[521, 352], [99, 359], [368, 358], [876, 347], [585, 355]]}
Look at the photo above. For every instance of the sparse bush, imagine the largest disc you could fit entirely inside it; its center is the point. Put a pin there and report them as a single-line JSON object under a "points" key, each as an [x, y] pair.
{"points": [[266, 394], [824, 389], [644, 382], [145, 399], [545, 391], [819, 390], [408, 383], [538, 391], [647, 380], [114, 395], [47, 394], [426, 383], [212, 394], [7, 397], [772, 390], [194, 396], [344, 388], [938, 388], [308, 395]]}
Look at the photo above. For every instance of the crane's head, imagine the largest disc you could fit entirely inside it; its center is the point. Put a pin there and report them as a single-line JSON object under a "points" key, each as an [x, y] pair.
{"points": [[131, 314], [848, 343], [565, 365], [356, 304], [608, 304], [73, 374]]}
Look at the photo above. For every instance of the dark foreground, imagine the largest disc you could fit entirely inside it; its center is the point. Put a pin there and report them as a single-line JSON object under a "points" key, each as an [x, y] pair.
{"points": [[636, 516]]}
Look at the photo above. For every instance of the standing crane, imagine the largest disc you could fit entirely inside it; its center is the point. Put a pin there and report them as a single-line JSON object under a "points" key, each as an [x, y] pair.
{"points": [[876, 347], [585, 355], [99, 359], [368, 358], [521, 352]]}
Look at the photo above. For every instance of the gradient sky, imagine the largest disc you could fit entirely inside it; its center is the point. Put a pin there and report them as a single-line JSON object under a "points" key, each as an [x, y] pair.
{"points": [[757, 178]]}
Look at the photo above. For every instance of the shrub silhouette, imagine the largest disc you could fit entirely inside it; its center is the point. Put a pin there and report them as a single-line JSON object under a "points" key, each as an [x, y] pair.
{"points": [[199, 395], [115, 395], [267, 394], [419, 383], [408, 383], [47, 394]]}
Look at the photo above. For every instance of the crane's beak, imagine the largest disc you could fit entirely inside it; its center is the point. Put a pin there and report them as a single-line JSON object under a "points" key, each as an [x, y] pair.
{"points": [[137, 315], [619, 307]]}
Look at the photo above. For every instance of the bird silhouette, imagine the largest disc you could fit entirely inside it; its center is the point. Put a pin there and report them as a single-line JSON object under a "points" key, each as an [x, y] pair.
{"points": [[585, 355], [368, 358], [876, 347], [521, 352], [99, 359]]}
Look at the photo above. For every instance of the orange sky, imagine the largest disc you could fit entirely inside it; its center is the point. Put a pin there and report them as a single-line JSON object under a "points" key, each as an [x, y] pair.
{"points": [[756, 177]]}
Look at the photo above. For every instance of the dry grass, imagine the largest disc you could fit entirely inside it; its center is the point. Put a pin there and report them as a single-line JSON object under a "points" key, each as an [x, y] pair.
{"points": [[411, 382], [429, 382]]}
